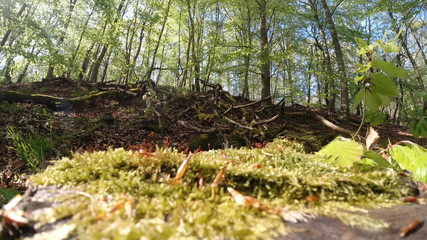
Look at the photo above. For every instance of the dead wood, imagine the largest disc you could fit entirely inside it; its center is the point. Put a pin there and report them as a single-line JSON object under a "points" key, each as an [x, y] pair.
{"points": [[246, 105], [333, 126], [198, 129], [265, 121], [60, 103], [238, 124]]}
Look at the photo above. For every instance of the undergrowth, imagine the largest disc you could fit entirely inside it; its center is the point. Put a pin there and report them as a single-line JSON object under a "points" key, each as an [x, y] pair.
{"points": [[131, 194]]}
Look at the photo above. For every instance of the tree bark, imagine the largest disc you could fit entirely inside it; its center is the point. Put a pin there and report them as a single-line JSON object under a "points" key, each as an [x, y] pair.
{"points": [[264, 53], [345, 102], [418, 74], [97, 63], [9, 31], [156, 48], [61, 39], [329, 81]]}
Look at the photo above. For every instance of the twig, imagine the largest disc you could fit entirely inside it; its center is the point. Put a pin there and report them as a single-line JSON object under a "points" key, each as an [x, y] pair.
{"points": [[272, 119], [238, 124], [333, 126], [203, 130], [246, 105]]}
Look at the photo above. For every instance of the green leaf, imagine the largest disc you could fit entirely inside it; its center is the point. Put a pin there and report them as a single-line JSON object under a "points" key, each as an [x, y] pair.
{"points": [[389, 68], [342, 152], [376, 118], [373, 101], [360, 42], [7, 194], [388, 47], [359, 97], [419, 128], [358, 78], [363, 68], [385, 100], [377, 160], [367, 49], [411, 157], [380, 83]]}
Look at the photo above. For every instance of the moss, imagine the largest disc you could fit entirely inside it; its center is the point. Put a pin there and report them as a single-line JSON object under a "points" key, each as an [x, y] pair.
{"points": [[236, 140], [204, 142], [280, 175]]}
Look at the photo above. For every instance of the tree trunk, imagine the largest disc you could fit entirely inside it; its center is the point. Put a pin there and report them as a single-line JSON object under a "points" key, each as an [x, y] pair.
{"points": [[73, 57], [418, 74], [61, 39], [9, 31], [156, 48], [330, 95], [264, 53], [98, 61], [345, 102]]}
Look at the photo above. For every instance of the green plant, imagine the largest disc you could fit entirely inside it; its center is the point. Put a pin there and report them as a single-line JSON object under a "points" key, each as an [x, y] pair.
{"points": [[31, 148], [377, 88], [377, 85], [6, 195]]}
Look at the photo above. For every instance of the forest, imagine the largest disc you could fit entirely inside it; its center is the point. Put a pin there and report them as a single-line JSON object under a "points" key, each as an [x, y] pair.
{"points": [[230, 119]]}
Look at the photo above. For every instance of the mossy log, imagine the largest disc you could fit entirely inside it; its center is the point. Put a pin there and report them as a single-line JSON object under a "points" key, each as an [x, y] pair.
{"points": [[61, 103], [118, 194]]}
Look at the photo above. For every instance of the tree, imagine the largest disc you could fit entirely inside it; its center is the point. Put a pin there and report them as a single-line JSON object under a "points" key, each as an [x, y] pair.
{"points": [[345, 102]]}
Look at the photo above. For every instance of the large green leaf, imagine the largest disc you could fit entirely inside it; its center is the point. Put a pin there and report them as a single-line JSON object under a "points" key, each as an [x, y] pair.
{"points": [[385, 100], [342, 152], [380, 83], [388, 47], [411, 157], [360, 42], [359, 97], [376, 118], [376, 159], [373, 100], [389, 68]]}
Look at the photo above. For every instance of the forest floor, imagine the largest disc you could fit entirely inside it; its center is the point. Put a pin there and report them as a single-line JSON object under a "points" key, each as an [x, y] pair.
{"points": [[142, 119], [54, 118]]}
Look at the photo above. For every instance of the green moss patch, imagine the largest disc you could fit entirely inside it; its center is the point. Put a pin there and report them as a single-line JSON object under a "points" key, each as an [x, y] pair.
{"points": [[130, 196]]}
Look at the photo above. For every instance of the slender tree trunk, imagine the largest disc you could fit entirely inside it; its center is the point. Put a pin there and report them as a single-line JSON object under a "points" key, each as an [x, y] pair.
{"points": [[156, 48], [330, 95], [8, 70], [264, 53], [345, 102], [420, 46], [247, 58], [9, 31], [61, 39], [73, 57], [100, 58], [104, 72], [85, 63], [418, 74]]}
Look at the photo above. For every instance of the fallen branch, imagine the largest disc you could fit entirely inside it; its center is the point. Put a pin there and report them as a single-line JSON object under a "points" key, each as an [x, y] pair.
{"points": [[272, 119], [246, 105], [333, 126], [238, 124], [202, 130]]}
